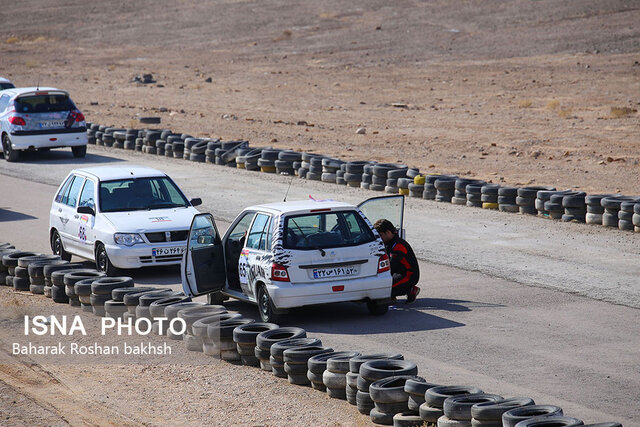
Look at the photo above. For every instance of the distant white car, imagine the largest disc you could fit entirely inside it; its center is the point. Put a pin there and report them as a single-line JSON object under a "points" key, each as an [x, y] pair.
{"points": [[40, 118], [120, 217], [292, 254], [6, 84]]}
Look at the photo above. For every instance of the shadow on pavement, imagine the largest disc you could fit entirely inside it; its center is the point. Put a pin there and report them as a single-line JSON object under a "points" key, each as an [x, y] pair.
{"points": [[7, 215], [448, 304], [64, 156]]}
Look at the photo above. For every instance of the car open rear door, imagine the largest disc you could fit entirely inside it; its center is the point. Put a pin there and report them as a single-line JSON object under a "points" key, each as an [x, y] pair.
{"points": [[203, 267], [385, 207]]}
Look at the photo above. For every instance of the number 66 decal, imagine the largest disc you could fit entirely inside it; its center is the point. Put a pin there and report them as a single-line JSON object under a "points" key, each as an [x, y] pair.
{"points": [[82, 233]]}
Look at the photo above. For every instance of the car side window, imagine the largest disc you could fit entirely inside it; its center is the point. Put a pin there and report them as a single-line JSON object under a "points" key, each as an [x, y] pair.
{"points": [[64, 189], [71, 198], [87, 197], [238, 233], [257, 237]]}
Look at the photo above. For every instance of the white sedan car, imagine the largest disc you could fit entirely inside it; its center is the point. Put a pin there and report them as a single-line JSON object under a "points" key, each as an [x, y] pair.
{"points": [[120, 217], [292, 254], [40, 118]]}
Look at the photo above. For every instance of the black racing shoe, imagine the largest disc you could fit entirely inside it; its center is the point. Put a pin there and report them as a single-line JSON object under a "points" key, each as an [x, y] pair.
{"points": [[413, 294]]}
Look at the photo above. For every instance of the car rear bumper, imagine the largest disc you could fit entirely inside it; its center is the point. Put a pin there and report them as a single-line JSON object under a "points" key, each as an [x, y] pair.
{"points": [[286, 295], [25, 140], [138, 256]]}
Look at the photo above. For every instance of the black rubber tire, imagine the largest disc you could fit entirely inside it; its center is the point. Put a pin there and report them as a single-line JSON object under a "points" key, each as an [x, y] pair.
{"points": [[356, 362], [514, 416], [149, 120], [79, 151], [119, 293], [147, 299], [248, 333], [157, 307], [459, 407], [301, 355], [278, 348], [21, 283], [318, 363], [106, 285], [82, 287], [407, 419], [132, 298], [268, 338], [492, 411], [532, 191], [11, 259], [58, 295], [21, 272], [364, 402], [201, 326], [390, 390], [429, 413], [554, 421], [226, 328], [340, 362], [28, 260], [103, 263], [10, 155], [36, 269], [76, 275], [381, 418], [435, 397], [193, 314], [374, 370]]}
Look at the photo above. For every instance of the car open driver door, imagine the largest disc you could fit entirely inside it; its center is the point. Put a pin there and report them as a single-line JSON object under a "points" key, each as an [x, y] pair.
{"points": [[385, 207], [203, 266]]}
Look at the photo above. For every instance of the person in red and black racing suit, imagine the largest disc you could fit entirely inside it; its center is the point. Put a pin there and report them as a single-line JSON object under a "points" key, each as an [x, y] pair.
{"points": [[404, 265]]}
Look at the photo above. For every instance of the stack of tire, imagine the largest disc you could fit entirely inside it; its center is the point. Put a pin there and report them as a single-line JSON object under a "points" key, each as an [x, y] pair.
{"points": [[363, 399], [250, 160], [99, 134], [334, 377], [49, 269], [318, 364], [635, 219], [74, 276], [415, 389], [107, 136], [296, 361], [625, 215], [445, 187], [387, 404], [430, 191], [457, 409], [305, 165], [393, 175], [284, 163], [526, 199], [330, 169], [278, 348], [226, 154], [314, 170], [367, 175], [490, 196], [474, 195], [460, 190], [353, 173], [594, 208], [176, 145], [210, 345], [490, 413], [433, 407], [221, 336], [210, 152], [244, 338], [546, 207], [171, 312], [190, 316], [519, 416], [197, 150], [157, 310], [575, 208], [340, 174], [101, 293], [34, 277], [390, 398], [131, 298], [10, 262], [264, 345], [92, 129], [267, 160], [507, 199], [416, 188], [150, 139], [380, 177], [611, 207], [37, 281], [5, 248]]}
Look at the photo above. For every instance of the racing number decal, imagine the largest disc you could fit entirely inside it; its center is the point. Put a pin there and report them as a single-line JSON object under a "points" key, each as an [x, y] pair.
{"points": [[82, 233], [243, 266]]}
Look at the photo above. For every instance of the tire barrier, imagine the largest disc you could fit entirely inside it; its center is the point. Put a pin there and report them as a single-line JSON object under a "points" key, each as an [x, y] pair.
{"points": [[383, 386]]}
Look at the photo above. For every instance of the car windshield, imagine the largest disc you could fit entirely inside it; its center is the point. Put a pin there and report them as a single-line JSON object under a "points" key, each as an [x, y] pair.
{"points": [[326, 230], [140, 194], [43, 104], [6, 85]]}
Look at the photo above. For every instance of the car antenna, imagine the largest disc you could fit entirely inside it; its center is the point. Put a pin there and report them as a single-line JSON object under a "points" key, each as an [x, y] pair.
{"points": [[287, 193], [38, 83]]}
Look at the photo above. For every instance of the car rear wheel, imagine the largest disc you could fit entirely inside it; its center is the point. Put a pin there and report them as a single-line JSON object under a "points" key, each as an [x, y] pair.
{"points": [[79, 151], [10, 154], [377, 308], [266, 307], [103, 263], [57, 248]]}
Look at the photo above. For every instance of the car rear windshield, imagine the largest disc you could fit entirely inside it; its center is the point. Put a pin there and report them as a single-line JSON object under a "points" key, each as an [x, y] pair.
{"points": [[5, 85], [326, 230], [43, 104], [140, 194]]}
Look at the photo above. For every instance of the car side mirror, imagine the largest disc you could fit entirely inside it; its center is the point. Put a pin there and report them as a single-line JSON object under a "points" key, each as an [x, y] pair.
{"points": [[205, 240], [86, 210], [196, 202]]}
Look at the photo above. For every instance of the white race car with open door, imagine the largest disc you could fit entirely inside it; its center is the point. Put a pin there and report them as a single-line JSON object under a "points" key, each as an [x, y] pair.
{"points": [[292, 254]]}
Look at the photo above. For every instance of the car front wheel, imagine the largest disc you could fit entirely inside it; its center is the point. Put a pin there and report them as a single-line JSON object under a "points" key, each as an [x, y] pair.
{"points": [[103, 263], [10, 155], [57, 248], [266, 307]]}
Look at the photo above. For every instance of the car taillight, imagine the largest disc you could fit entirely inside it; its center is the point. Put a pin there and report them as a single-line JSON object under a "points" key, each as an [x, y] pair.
{"points": [[279, 273], [384, 264], [79, 117], [18, 121]]}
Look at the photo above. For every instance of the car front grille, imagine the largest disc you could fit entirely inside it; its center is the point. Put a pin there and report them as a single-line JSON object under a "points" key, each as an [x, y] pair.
{"points": [[161, 236], [160, 259]]}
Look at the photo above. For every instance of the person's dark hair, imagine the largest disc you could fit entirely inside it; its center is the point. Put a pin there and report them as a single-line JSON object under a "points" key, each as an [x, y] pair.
{"points": [[383, 225]]}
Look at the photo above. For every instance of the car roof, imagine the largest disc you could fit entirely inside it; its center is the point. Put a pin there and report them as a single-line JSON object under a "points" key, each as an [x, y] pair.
{"points": [[301, 206], [17, 91], [110, 173], [4, 80]]}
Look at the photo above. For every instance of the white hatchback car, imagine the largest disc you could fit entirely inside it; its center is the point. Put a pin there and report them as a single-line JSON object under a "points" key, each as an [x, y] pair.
{"points": [[291, 254], [120, 217], [40, 118]]}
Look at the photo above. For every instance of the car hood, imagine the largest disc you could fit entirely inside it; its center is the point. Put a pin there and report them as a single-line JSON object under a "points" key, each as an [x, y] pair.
{"points": [[152, 220]]}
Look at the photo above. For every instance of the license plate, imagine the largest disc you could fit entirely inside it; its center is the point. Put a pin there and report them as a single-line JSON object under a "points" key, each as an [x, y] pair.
{"points": [[325, 273], [168, 251], [52, 124]]}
